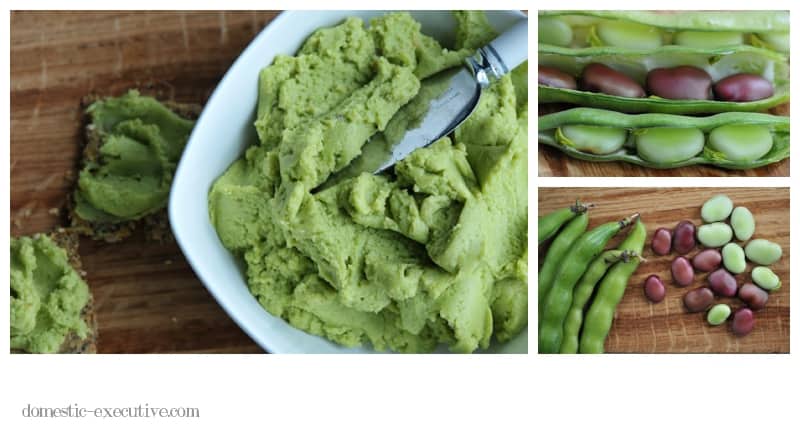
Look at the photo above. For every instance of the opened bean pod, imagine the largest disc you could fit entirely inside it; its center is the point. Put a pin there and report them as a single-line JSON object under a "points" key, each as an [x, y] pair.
{"points": [[649, 30], [668, 79], [728, 140]]}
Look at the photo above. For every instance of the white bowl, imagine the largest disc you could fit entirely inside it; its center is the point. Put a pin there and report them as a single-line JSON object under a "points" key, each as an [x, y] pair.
{"points": [[223, 131]]}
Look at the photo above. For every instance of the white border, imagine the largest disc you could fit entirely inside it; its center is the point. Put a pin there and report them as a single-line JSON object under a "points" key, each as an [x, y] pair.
{"points": [[495, 399]]}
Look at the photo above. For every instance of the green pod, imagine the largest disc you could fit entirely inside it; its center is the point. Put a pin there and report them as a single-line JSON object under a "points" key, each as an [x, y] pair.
{"points": [[559, 299], [550, 223], [718, 63], [609, 293], [558, 249], [776, 126], [767, 29], [583, 291]]}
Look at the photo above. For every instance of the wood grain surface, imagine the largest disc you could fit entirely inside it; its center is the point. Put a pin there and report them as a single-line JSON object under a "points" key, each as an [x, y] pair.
{"points": [[643, 327], [147, 297], [553, 162]]}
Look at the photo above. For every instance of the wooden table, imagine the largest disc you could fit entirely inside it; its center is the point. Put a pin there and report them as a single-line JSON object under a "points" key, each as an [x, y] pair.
{"points": [[643, 327], [148, 299]]}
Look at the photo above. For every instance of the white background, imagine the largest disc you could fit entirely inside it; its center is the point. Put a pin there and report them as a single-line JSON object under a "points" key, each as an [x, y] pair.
{"points": [[410, 399]]}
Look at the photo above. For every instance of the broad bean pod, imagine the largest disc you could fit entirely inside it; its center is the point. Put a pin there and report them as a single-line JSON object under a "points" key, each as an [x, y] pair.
{"points": [[550, 223], [729, 153], [559, 299], [609, 293], [583, 291], [636, 64], [558, 249], [647, 29]]}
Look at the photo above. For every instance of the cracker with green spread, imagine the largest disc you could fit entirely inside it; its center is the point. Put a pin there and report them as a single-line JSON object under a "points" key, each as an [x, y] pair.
{"points": [[52, 308], [133, 145]]}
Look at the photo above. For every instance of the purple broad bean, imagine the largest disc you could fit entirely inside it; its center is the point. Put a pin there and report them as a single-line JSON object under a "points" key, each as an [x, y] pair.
{"points": [[654, 289], [680, 83], [707, 260], [683, 237], [597, 77], [752, 295], [743, 88], [698, 299], [662, 242], [743, 321], [556, 79], [722, 283], [682, 271]]}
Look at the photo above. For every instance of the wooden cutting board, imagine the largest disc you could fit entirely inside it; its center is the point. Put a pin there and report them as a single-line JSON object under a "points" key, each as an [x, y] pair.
{"points": [[643, 327], [553, 162], [147, 297]]}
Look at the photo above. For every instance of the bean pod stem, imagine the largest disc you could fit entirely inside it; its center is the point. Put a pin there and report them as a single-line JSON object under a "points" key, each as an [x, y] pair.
{"points": [[550, 223]]}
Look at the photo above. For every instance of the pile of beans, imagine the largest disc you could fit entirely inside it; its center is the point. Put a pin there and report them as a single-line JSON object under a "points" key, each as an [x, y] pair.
{"points": [[676, 83], [723, 258]]}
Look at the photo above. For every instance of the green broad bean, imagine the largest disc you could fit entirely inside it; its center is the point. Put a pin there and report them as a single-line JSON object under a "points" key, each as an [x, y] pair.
{"points": [[628, 35], [559, 299], [583, 292], [550, 223], [593, 139], [558, 249], [765, 278], [733, 258], [743, 223], [778, 41], [609, 293], [708, 39], [763, 252], [741, 142], [554, 31], [715, 234], [716, 209], [668, 145], [718, 314], [651, 152]]}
